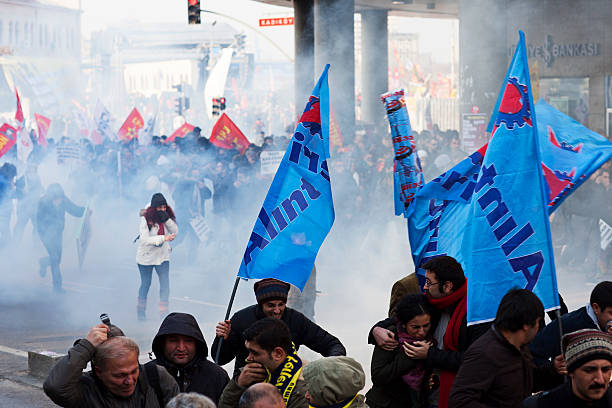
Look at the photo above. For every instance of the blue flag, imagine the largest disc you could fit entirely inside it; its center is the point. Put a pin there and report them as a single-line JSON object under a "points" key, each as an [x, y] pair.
{"points": [[407, 173], [570, 152], [440, 212], [298, 211], [439, 216], [507, 243]]}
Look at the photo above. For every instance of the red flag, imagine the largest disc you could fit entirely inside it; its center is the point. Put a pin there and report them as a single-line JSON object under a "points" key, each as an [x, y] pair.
{"points": [[42, 123], [19, 111], [131, 126], [225, 134], [8, 136], [180, 132]]}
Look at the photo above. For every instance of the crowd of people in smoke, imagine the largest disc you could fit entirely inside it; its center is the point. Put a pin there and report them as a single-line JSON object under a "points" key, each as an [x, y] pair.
{"points": [[425, 354], [200, 178]]}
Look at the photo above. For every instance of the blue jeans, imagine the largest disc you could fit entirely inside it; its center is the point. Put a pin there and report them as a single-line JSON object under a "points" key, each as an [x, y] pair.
{"points": [[146, 273]]}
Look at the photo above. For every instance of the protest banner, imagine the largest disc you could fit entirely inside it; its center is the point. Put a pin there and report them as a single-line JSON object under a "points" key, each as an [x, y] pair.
{"points": [[83, 236], [284, 242], [42, 124], [133, 123], [606, 234], [19, 111], [227, 135], [473, 130], [507, 243], [270, 159], [181, 132], [407, 172], [8, 137], [200, 227]]}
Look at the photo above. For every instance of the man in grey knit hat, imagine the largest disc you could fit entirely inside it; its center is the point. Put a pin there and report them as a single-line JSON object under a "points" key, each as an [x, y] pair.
{"points": [[588, 357]]}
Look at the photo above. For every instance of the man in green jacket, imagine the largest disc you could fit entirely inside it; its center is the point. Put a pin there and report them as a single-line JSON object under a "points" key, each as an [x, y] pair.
{"points": [[271, 359], [116, 378]]}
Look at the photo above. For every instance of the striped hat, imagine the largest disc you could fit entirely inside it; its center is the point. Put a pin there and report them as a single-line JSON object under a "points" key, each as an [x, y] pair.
{"points": [[582, 346], [270, 289]]}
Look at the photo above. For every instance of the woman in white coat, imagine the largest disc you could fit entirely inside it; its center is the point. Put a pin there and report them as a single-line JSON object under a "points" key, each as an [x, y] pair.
{"points": [[157, 228]]}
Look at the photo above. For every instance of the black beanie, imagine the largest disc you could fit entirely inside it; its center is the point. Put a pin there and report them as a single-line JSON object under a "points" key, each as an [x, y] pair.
{"points": [[158, 200]]}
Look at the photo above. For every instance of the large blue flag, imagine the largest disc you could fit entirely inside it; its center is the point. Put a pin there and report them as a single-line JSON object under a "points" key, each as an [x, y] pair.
{"points": [[298, 211], [570, 152], [507, 243], [439, 217]]}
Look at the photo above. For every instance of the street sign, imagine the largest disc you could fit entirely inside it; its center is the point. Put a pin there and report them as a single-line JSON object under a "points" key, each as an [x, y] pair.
{"points": [[279, 21]]}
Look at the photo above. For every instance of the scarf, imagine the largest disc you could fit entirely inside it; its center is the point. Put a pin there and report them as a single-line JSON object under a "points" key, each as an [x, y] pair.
{"points": [[342, 404], [152, 218], [286, 375], [414, 377], [451, 336]]}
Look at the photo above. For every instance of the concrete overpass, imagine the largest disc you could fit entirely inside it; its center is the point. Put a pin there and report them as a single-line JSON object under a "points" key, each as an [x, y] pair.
{"points": [[566, 39], [324, 33]]}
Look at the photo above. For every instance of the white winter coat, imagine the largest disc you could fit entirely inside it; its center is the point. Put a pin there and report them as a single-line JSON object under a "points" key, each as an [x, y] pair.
{"points": [[152, 248]]}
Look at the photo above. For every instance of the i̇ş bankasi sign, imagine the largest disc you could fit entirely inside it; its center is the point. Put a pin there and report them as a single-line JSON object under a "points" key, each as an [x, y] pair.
{"points": [[549, 50], [278, 21]]}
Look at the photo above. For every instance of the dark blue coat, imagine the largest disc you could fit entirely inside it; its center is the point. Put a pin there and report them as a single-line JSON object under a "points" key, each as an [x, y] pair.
{"points": [[547, 343]]}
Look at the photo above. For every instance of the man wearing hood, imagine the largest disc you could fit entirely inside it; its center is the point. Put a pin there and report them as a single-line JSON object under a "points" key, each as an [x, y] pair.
{"points": [[179, 346], [335, 382], [271, 295]]}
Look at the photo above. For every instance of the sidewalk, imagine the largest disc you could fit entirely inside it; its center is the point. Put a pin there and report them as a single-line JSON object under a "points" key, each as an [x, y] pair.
{"points": [[18, 389]]}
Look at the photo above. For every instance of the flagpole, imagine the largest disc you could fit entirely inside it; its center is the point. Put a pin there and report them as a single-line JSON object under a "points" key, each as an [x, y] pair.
{"points": [[227, 313], [558, 314]]}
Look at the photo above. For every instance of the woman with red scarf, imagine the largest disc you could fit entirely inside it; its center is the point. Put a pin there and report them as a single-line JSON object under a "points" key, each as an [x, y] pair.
{"points": [[398, 380], [157, 228]]}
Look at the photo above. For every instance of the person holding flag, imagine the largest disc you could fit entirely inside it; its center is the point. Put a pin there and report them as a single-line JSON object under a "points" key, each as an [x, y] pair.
{"points": [[295, 218], [271, 295]]}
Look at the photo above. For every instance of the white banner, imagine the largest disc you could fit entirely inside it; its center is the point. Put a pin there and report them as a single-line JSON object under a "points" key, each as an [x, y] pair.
{"points": [[270, 161], [606, 234]]}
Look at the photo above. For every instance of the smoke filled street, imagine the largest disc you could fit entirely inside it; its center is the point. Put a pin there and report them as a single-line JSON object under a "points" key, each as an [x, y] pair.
{"points": [[306, 203]]}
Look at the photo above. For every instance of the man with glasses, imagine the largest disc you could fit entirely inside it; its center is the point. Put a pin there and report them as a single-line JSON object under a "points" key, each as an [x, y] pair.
{"points": [[446, 289]]}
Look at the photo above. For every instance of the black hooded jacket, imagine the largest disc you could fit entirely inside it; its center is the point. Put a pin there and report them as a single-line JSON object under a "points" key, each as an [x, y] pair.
{"points": [[199, 375]]}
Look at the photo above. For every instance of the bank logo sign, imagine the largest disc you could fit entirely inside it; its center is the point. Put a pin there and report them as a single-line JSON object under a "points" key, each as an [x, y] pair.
{"points": [[549, 50]]}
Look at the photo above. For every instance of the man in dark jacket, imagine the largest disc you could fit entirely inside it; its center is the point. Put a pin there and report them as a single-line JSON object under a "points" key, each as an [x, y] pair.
{"points": [[271, 359], [271, 297], [179, 346], [50, 220], [116, 378], [497, 369], [588, 355], [595, 315]]}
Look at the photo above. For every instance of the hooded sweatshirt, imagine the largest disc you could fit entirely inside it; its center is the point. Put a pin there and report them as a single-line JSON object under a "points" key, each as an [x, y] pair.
{"points": [[335, 381], [199, 375]]}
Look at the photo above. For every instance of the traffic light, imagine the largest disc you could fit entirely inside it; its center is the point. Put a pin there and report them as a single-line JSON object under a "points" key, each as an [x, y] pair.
{"points": [[221, 104], [193, 11], [178, 106], [215, 107], [240, 42]]}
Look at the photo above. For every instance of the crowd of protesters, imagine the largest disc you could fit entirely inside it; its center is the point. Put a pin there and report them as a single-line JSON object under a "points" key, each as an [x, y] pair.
{"points": [[425, 355]]}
